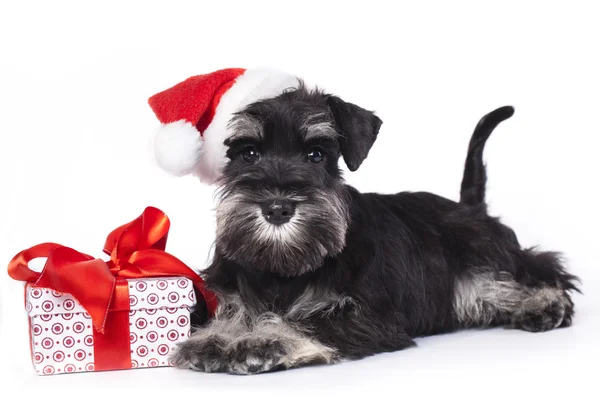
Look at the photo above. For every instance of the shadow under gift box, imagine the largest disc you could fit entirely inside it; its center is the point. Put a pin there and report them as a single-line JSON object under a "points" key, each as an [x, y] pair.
{"points": [[141, 334]]}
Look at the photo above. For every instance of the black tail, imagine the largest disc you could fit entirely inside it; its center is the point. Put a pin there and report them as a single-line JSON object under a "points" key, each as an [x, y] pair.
{"points": [[472, 190]]}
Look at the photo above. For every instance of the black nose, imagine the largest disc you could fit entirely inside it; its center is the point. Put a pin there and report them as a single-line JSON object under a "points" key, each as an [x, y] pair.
{"points": [[278, 211]]}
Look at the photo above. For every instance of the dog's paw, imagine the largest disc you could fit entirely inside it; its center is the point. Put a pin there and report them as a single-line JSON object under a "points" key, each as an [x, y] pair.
{"points": [[553, 312], [205, 354], [569, 312], [255, 355]]}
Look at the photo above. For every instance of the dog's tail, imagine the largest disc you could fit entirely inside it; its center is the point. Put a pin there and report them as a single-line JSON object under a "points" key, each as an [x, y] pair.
{"points": [[472, 190]]}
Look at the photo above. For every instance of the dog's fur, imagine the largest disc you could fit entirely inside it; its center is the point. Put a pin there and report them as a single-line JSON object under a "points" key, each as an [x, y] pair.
{"points": [[351, 274]]}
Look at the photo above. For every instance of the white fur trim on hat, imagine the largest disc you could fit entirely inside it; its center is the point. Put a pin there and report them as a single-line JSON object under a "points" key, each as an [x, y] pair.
{"points": [[251, 86], [177, 147]]}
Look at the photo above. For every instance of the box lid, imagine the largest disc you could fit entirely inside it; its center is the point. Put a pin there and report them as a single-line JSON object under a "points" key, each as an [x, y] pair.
{"points": [[144, 294]]}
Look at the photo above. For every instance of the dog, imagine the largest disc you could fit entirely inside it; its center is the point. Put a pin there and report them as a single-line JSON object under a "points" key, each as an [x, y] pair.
{"points": [[310, 271]]}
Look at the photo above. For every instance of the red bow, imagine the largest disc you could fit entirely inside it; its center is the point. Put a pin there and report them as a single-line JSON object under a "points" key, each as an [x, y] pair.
{"points": [[136, 250]]}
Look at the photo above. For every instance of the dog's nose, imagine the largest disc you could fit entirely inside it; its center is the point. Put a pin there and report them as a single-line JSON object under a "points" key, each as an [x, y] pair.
{"points": [[278, 212]]}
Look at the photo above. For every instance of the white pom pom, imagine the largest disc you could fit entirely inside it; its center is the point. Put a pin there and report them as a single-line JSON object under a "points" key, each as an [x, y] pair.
{"points": [[177, 147]]}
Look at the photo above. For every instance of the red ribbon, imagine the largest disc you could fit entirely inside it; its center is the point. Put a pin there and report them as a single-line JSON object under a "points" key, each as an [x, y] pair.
{"points": [[136, 250]]}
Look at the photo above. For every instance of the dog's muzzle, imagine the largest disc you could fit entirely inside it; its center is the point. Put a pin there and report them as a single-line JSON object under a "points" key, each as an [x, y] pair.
{"points": [[278, 212]]}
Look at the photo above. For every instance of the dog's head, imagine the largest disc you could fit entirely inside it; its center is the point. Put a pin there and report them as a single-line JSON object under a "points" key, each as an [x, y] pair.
{"points": [[283, 206]]}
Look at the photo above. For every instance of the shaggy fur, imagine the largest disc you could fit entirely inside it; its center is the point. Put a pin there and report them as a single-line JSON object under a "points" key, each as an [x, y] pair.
{"points": [[349, 274]]}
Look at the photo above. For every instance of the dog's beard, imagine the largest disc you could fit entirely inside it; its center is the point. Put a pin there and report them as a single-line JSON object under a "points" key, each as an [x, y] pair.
{"points": [[316, 230]]}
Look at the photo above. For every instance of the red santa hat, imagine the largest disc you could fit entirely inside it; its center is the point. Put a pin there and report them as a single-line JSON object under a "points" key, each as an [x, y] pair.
{"points": [[195, 113]]}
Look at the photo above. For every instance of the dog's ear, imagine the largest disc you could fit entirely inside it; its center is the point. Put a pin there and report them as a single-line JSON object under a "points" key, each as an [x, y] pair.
{"points": [[358, 129]]}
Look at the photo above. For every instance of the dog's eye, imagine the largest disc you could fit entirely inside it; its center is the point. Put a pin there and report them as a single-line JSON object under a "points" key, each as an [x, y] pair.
{"points": [[315, 156], [250, 154]]}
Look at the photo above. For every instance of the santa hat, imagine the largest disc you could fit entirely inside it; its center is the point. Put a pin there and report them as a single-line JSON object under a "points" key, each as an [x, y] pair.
{"points": [[195, 113]]}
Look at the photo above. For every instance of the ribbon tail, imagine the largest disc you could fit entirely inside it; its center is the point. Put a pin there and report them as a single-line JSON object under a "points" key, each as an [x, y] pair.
{"points": [[88, 280]]}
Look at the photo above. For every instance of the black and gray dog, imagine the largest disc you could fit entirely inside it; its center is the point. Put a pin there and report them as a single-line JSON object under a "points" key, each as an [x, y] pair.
{"points": [[308, 270]]}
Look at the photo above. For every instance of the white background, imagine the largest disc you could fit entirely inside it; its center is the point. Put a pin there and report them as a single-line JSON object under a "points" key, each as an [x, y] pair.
{"points": [[74, 160]]}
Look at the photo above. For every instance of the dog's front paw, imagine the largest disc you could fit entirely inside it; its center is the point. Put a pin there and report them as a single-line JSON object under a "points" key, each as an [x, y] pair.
{"points": [[548, 313], [200, 354], [254, 355]]}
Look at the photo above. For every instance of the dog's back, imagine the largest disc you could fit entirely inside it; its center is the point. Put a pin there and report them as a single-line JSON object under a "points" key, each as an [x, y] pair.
{"points": [[444, 264]]}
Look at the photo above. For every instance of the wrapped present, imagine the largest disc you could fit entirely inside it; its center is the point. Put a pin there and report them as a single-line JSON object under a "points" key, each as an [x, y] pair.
{"points": [[87, 314]]}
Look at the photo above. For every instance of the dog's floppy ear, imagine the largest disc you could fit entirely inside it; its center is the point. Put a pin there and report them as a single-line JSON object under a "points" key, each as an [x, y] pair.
{"points": [[358, 129]]}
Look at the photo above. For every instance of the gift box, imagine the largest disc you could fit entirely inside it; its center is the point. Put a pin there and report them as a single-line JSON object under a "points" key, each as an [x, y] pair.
{"points": [[63, 338], [87, 314]]}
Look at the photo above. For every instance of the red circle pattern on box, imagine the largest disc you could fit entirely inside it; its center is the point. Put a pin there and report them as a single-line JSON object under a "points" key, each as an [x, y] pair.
{"points": [[58, 347], [63, 338], [155, 331]]}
